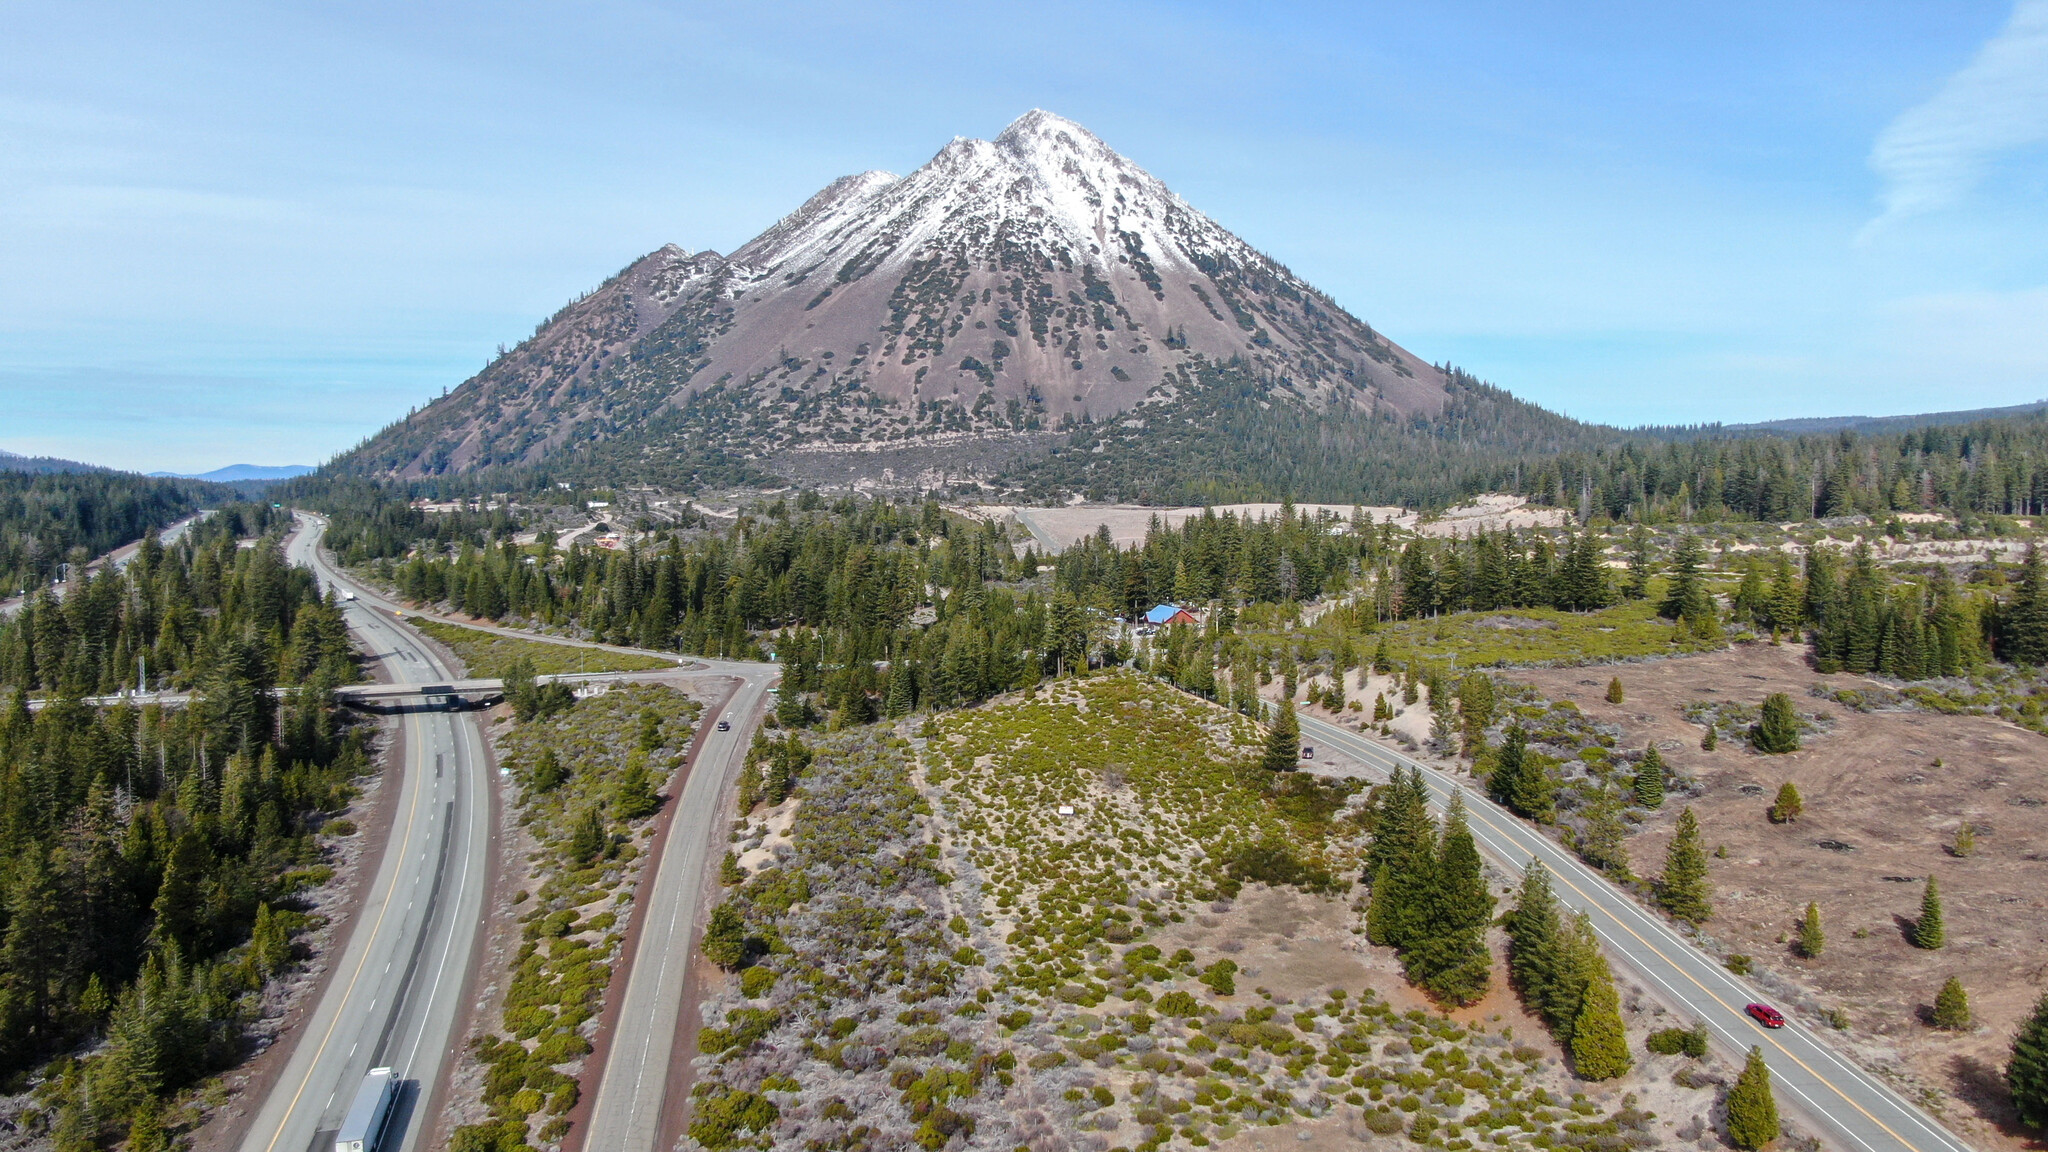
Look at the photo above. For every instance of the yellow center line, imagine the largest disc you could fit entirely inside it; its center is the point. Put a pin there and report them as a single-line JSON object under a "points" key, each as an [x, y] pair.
{"points": [[1481, 815], [411, 818]]}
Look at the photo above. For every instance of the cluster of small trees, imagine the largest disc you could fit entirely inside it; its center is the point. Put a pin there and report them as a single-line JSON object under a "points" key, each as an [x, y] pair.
{"points": [[1429, 897], [203, 611], [1556, 965]]}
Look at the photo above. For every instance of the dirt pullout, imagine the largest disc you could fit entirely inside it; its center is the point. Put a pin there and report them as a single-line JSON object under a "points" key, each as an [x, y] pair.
{"points": [[1884, 794], [1298, 947]]}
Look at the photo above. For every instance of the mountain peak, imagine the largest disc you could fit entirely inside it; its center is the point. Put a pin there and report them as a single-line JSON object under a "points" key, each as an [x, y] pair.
{"points": [[1003, 287]]}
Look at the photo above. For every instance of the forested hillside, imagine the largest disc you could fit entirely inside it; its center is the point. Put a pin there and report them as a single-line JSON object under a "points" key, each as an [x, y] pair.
{"points": [[1234, 438], [49, 518], [151, 856]]}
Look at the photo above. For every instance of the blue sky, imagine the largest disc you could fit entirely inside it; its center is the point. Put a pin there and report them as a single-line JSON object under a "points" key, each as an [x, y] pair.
{"points": [[260, 232]]}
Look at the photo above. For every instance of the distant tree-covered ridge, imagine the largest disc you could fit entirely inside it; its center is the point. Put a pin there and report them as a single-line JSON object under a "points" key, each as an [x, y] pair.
{"points": [[52, 518]]}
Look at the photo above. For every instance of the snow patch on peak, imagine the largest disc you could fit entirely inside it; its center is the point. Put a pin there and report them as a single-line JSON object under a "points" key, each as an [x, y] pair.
{"points": [[824, 213], [1039, 122]]}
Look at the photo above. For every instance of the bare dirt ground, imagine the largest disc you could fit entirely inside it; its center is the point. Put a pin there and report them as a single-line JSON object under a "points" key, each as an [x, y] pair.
{"points": [[1298, 947], [1884, 794], [1057, 528]]}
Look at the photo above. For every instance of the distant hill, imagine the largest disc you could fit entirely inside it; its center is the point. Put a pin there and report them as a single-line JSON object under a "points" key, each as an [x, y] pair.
{"points": [[234, 472], [1820, 425], [11, 462]]}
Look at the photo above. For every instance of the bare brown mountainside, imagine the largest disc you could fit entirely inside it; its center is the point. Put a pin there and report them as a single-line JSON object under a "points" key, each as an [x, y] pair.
{"points": [[1005, 287]]}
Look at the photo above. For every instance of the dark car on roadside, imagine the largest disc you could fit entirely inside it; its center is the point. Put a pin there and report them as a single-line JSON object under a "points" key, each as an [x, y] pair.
{"points": [[1766, 1015]]}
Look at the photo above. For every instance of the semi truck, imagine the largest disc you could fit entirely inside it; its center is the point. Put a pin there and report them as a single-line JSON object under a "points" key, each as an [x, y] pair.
{"points": [[362, 1129]]}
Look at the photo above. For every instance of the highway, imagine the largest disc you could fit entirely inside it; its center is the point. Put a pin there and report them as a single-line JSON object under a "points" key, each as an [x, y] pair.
{"points": [[397, 987], [631, 1093], [1854, 1109]]}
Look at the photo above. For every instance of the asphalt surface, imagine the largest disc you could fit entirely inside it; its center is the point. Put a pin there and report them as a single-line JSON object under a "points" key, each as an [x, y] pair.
{"points": [[396, 989], [630, 1094], [1853, 1108], [626, 1113]]}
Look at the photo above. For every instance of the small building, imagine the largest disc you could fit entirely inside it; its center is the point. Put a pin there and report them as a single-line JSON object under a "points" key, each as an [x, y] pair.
{"points": [[1165, 614]]}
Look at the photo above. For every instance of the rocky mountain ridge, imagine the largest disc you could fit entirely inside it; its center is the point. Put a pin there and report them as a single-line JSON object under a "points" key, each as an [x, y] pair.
{"points": [[1005, 289]]}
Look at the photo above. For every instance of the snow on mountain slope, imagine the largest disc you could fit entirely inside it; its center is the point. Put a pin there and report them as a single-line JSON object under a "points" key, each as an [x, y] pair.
{"points": [[1005, 286]]}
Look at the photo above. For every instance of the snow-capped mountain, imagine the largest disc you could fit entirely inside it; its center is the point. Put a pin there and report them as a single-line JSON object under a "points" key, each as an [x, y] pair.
{"points": [[1006, 286]]}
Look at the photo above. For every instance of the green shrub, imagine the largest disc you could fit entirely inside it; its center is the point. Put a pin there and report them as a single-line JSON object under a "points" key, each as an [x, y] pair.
{"points": [[723, 1116], [1676, 1041], [1220, 977], [755, 982]]}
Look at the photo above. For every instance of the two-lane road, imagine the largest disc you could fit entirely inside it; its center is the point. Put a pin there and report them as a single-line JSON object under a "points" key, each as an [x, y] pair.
{"points": [[396, 990], [1857, 1111], [626, 1115]]}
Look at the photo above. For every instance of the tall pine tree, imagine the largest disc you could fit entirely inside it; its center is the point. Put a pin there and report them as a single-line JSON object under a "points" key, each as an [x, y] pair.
{"points": [[1449, 959], [1752, 1107], [1684, 890], [1649, 783], [2026, 1074]]}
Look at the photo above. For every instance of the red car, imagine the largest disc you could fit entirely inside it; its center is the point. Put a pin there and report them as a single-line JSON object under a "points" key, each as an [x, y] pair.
{"points": [[1766, 1015]]}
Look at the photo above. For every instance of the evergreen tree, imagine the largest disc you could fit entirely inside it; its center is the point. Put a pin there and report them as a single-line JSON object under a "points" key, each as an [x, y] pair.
{"points": [[1687, 599], [1476, 703], [900, 698], [1533, 937], [1952, 1007], [2024, 632], [1778, 729], [1603, 842], [1283, 740], [1614, 692], [1787, 807], [589, 837], [725, 937], [1928, 931], [1382, 660], [1649, 783], [1684, 890], [1711, 739], [1579, 962], [1812, 938], [1638, 584], [634, 796], [1966, 840], [1379, 912], [2027, 1072], [1752, 1107], [1520, 781], [1404, 848], [1599, 1042], [1449, 958]]}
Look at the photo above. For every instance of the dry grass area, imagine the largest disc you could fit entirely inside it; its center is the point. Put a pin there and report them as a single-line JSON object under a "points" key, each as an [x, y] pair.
{"points": [[949, 960], [1884, 795]]}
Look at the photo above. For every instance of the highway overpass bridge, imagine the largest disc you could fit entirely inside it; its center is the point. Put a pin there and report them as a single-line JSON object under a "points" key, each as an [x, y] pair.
{"points": [[416, 696]]}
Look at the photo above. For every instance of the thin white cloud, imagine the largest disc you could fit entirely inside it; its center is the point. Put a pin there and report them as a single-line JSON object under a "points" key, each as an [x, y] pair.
{"points": [[1933, 154]]}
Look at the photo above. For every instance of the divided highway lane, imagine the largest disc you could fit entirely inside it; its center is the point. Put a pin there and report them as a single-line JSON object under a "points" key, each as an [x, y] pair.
{"points": [[396, 988], [626, 1113], [1857, 1111]]}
